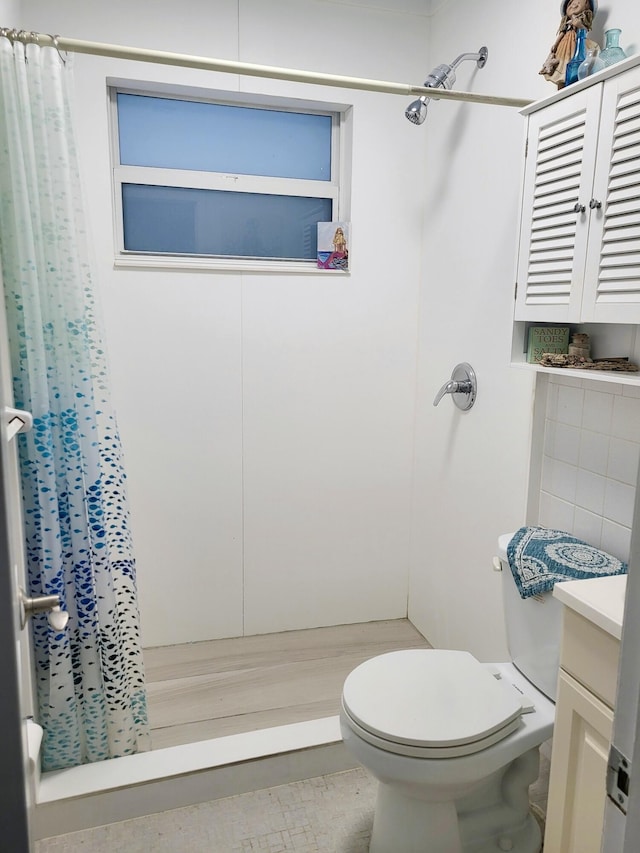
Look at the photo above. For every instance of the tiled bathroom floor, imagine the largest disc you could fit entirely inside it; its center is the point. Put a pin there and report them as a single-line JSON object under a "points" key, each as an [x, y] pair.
{"points": [[328, 814]]}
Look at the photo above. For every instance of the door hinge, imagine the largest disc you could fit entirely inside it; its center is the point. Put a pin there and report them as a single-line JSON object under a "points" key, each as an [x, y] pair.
{"points": [[515, 291], [618, 778], [526, 148]]}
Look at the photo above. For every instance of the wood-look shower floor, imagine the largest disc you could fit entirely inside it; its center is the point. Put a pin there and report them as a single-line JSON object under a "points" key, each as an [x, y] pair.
{"points": [[209, 689]]}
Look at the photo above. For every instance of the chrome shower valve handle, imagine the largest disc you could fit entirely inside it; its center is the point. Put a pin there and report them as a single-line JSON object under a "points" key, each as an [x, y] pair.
{"points": [[450, 387], [462, 386]]}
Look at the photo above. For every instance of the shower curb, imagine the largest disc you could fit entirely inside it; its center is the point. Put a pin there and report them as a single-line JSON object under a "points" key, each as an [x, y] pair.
{"points": [[147, 783]]}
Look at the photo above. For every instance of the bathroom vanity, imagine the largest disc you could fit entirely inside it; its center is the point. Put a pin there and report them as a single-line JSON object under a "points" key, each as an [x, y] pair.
{"points": [[587, 683]]}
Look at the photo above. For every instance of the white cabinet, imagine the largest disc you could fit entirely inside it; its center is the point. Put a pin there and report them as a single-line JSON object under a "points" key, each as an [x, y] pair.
{"points": [[579, 246], [581, 748], [581, 736]]}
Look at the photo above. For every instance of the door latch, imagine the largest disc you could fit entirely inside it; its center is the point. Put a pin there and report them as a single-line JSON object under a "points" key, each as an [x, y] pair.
{"points": [[618, 778]]}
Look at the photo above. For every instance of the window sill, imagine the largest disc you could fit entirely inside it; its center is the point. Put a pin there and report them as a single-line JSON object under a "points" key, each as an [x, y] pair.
{"points": [[238, 265]]}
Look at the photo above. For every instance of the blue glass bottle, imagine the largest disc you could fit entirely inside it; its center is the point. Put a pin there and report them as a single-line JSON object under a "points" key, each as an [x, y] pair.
{"points": [[579, 57]]}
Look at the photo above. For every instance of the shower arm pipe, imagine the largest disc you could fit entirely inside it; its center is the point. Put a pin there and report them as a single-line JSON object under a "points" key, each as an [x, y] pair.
{"points": [[473, 56], [159, 57]]}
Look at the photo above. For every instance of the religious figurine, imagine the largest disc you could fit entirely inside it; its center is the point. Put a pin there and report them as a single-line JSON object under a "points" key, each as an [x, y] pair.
{"points": [[340, 242], [576, 15]]}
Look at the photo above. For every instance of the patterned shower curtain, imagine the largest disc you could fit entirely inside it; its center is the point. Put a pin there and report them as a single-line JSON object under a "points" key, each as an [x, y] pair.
{"points": [[90, 679]]}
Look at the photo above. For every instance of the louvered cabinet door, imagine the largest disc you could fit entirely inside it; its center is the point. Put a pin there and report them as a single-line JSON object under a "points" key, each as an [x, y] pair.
{"points": [[561, 152], [612, 277]]}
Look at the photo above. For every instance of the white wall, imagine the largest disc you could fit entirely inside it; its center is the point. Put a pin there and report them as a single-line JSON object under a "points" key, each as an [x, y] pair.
{"points": [[285, 500], [267, 420], [10, 13], [471, 468]]}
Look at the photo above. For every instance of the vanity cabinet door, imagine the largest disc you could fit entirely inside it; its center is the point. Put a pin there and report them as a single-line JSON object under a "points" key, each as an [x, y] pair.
{"points": [[559, 170], [612, 274], [577, 785]]}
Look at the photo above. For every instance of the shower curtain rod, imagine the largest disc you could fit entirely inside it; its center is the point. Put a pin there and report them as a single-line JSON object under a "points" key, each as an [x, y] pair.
{"points": [[161, 57]]}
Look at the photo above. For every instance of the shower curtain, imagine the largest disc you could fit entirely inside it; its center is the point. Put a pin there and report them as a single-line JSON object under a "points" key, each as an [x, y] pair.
{"points": [[89, 676]]}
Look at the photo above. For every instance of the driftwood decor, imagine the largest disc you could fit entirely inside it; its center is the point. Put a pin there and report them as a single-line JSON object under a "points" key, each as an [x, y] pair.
{"points": [[577, 362]]}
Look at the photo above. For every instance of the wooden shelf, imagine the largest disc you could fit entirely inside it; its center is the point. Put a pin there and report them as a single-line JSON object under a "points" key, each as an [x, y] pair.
{"points": [[620, 378]]}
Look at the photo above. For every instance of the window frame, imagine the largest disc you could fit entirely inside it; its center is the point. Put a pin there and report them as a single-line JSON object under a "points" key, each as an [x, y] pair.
{"points": [[337, 188]]}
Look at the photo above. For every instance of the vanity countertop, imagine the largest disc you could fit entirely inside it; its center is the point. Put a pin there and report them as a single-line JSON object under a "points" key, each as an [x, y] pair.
{"points": [[600, 600]]}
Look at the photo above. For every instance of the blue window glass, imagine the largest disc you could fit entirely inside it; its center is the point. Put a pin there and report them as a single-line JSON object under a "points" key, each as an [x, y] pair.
{"points": [[174, 134], [189, 221]]}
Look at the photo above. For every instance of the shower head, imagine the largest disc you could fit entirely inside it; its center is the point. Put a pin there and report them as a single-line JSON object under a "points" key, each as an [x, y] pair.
{"points": [[442, 77], [416, 112]]}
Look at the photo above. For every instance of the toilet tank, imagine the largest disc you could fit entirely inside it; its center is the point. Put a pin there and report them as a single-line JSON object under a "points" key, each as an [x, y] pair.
{"points": [[533, 629]]}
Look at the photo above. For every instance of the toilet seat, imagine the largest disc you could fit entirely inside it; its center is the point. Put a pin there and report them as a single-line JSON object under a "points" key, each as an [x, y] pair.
{"points": [[430, 703]]}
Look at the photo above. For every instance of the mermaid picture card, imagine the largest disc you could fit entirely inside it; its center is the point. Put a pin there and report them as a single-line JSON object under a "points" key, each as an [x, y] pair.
{"points": [[333, 245]]}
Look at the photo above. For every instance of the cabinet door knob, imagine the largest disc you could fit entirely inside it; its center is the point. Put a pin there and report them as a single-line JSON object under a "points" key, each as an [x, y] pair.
{"points": [[594, 204], [579, 208]]}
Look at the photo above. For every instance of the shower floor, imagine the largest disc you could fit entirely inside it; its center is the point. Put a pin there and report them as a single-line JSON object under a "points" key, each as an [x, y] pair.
{"points": [[209, 689]]}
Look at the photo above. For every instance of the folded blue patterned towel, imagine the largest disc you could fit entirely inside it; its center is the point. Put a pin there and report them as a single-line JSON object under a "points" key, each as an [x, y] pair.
{"points": [[540, 557]]}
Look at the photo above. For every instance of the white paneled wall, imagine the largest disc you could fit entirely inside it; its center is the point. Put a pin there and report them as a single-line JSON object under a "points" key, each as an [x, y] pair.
{"points": [[589, 463], [471, 469], [315, 482], [267, 418]]}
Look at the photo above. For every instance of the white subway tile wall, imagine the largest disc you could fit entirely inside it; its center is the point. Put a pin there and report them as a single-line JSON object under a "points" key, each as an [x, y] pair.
{"points": [[590, 461]]}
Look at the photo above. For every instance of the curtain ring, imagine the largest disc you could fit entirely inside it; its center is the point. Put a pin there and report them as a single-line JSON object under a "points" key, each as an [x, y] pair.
{"points": [[54, 39], [24, 38]]}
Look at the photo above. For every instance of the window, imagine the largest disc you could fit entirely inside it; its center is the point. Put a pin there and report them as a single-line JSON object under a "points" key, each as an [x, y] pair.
{"points": [[221, 182]]}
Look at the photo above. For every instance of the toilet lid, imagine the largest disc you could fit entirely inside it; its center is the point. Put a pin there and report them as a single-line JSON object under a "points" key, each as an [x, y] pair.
{"points": [[430, 698]]}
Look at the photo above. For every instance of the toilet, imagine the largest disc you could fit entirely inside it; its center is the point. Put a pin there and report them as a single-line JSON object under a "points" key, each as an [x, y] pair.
{"points": [[454, 743]]}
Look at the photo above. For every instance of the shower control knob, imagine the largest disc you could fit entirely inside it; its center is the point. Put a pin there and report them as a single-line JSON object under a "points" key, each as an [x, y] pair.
{"points": [[462, 386], [579, 208]]}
